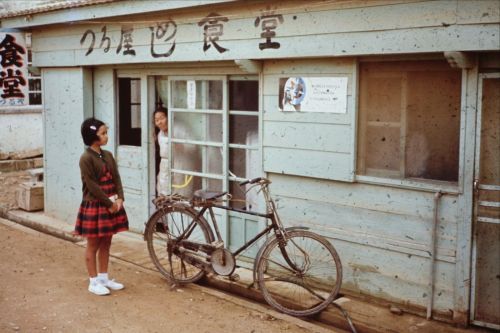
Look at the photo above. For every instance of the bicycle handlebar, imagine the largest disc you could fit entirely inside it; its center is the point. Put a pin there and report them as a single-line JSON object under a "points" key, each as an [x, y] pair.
{"points": [[255, 180]]}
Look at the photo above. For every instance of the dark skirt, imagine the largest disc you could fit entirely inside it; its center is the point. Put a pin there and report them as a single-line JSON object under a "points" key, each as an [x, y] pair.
{"points": [[94, 218]]}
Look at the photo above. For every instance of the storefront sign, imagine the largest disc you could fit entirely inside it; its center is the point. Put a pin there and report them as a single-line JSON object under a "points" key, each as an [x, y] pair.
{"points": [[14, 70], [313, 94]]}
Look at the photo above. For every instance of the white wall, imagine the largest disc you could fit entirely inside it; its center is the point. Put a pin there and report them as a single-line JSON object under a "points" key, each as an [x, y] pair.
{"points": [[67, 104], [20, 130]]}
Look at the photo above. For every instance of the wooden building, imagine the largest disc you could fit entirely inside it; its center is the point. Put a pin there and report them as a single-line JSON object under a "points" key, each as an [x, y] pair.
{"points": [[377, 121]]}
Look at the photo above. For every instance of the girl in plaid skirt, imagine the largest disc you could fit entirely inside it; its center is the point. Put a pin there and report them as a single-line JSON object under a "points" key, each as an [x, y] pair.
{"points": [[101, 213]]}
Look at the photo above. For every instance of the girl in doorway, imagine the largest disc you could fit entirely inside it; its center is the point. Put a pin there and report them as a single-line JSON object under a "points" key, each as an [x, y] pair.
{"points": [[101, 213], [160, 119]]}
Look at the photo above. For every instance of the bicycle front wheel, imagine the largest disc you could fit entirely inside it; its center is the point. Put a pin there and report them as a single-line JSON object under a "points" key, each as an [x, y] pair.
{"points": [[307, 286], [167, 225]]}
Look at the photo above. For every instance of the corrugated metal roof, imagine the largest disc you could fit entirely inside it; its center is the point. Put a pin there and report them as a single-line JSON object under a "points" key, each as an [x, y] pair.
{"points": [[33, 7]]}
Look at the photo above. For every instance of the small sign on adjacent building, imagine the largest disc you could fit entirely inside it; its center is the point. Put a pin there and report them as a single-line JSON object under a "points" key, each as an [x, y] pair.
{"points": [[14, 69]]}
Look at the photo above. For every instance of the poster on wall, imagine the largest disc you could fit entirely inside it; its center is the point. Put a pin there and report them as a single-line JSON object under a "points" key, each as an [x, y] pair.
{"points": [[313, 94], [14, 69]]}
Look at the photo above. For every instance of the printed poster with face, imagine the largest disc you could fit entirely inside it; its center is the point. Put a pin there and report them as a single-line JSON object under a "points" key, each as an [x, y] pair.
{"points": [[313, 94], [14, 70]]}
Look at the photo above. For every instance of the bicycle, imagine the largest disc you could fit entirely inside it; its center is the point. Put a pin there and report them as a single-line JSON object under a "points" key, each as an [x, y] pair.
{"points": [[293, 278]]}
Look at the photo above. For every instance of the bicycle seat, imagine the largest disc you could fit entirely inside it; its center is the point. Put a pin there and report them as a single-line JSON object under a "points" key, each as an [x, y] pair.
{"points": [[208, 195]]}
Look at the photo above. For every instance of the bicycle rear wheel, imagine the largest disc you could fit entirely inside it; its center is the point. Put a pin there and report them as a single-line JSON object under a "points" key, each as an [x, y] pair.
{"points": [[309, 288], [166, 225]]}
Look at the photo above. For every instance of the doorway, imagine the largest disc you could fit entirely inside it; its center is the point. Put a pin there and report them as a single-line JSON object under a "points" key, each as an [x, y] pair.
{"points": [[485, 309]]}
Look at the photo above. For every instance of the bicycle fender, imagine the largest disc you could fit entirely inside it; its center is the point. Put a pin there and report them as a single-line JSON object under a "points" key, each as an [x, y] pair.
{"points": [[270, 239]]}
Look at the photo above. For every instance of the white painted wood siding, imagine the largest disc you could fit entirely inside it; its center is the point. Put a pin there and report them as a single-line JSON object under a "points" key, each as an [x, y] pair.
{"points": [[311, 144], [67, 103], [311, 28], [381, 234]]}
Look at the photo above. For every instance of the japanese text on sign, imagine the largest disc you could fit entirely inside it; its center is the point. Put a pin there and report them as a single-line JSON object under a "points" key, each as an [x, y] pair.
{"points": [[162, 40], [14, 73]]}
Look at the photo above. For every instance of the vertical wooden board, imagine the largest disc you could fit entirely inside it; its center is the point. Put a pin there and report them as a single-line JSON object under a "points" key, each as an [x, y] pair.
{"points": [[104, 102], [236, 226], [136, 211], [63, 102], [130, 166]]}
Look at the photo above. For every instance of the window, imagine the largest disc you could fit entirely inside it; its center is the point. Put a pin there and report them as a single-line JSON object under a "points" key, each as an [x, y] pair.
{"points": [[129, 111], [34, 83], [213, 133], [409, 120]]}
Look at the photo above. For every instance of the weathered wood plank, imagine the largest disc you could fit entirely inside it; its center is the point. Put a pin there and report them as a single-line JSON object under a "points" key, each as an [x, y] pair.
{"points": [[394, 276], [308, 163], [318, 137], [410, 232], [388, 199], [419, 40]]}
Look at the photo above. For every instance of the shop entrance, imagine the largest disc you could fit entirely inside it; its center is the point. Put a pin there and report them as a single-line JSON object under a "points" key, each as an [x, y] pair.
{"points": [[486, 250], [213, 142]]}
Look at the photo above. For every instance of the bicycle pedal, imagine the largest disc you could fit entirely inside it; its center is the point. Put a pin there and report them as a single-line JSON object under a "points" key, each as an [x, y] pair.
{"points": [[218, 244]]}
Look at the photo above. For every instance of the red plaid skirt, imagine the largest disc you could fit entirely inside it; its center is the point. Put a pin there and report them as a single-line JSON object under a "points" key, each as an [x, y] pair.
{"points": [[94, 218]]}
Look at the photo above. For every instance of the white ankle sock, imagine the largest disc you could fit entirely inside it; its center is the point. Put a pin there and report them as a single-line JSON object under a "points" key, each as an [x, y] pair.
{"points": [[102, 276], [93, 280]]}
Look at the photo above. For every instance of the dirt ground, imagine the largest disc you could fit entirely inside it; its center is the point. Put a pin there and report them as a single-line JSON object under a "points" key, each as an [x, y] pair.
{"points": [[44, 289], [8, 185]]}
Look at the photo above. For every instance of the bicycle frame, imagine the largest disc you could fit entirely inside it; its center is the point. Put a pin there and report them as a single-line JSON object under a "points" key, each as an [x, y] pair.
{"points": [[271, 214]]}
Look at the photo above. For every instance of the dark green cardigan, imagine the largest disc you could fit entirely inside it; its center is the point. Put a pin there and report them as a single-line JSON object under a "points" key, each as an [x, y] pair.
{"points": [[91, 169]]}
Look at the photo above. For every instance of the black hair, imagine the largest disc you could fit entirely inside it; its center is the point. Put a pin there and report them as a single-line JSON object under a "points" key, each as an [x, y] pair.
{"points": [[89, 129]]}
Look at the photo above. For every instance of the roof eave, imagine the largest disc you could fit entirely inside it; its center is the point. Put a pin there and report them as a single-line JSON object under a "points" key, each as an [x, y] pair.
{"points": [[99, 11]]}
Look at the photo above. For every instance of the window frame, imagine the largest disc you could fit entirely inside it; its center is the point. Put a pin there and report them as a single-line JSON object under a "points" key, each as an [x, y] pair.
{"points": [[226, 176], [130, 76], [421, 184]]}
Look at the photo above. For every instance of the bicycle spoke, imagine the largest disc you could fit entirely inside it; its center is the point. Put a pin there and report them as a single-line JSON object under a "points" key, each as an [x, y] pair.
{"points": [[309, 289]]}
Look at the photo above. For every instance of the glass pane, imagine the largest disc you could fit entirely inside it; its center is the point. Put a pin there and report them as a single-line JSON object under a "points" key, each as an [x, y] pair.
{"points": [[179, 94], [246, 197], [243, 129], [185, 185], [35, 98], [135, 116], [433, 125], [410, 119], [135, 91], [196, 126], [196, 158], [244, 95], [199, 94], [383, 151], [209, 95], [384, 99], [35, 84]]}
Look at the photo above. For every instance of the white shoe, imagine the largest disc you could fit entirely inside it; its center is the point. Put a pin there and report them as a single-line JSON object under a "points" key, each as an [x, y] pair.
{"points": [[111, 284], [98, 289]]}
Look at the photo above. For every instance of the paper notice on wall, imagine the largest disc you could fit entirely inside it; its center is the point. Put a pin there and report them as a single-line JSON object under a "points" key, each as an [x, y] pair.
{"points": [[191, 94], [313, 94], [14, 70]]}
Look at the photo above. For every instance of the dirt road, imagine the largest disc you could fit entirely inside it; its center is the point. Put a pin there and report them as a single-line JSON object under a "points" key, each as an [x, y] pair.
{"points": [[43, 285]]}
